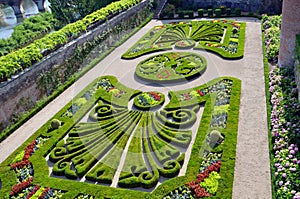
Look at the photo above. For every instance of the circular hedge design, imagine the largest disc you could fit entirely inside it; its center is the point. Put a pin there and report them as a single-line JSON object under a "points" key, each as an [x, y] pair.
{"points": [[147, 100], [172, 66]]}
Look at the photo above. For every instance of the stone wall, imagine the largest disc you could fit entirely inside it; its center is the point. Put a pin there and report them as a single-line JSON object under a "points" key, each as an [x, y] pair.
{"points": [[289, 28], [22, 89]]}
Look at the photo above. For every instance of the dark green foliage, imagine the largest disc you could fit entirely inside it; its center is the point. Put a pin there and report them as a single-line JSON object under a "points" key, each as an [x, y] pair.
{"points": [[55, 124], [190, 13], [210, 12], [69, 11], [228, 11], [181, 14], [237, 12], [168, 10], [223, 10], [200, 12], [218, 12]]}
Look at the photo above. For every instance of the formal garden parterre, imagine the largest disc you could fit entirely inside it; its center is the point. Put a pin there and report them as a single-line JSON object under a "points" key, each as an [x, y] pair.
{"points": [[71, 158], [78, 149], [171, 67], [223, 37]]}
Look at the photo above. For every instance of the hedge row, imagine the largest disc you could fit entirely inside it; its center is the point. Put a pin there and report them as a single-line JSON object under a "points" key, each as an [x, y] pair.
{"points": [[17, 61]]}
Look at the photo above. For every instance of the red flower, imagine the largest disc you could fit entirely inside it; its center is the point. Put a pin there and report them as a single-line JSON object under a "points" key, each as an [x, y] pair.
{"points": [[155, 96], [19, 187], [187, 96], [33, 191], [195, 187], [200, 93], [20, 164], [43, 194], [164, 74]]}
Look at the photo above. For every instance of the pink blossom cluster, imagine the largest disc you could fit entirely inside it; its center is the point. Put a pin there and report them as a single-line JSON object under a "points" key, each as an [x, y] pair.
{"points": [[286, 153]]}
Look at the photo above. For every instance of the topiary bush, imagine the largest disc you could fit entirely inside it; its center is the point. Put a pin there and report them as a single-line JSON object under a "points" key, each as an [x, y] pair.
{"points": [[214, 138], [55, 124], [218, 12], [200, 12]]}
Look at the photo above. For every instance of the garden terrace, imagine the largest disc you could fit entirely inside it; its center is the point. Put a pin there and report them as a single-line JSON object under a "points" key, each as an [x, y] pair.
{"points": [[226, 38]]}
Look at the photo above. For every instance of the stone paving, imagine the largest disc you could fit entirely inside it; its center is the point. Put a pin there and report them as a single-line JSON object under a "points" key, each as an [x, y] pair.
{"points": [[252, 178]]}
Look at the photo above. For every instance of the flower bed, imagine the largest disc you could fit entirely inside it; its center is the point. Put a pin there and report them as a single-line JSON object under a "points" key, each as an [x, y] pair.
{"points": [[285, 128], [149, 100], [284, 117], [171, 67]]}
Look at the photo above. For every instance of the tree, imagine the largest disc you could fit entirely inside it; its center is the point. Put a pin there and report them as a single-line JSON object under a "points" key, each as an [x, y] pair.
{"points": [[68, 11]]}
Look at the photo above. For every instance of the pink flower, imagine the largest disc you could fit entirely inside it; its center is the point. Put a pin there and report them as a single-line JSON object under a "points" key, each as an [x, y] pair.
{"points": [[280, 183]]}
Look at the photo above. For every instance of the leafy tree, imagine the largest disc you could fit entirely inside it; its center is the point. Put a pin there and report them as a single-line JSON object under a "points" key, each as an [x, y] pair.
{"points": [[68, 11]]}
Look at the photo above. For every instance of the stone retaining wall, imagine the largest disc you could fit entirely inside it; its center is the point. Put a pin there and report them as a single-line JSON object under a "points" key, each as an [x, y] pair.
{"points": [[22, 88]]}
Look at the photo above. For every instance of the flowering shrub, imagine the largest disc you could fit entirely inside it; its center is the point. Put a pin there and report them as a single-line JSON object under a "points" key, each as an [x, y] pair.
{"points": [[285, 129], [24, 171], [19, 187], [109, 88], [51, 193], [182, 192], [203, 187], [271, 26], [149, 100]]}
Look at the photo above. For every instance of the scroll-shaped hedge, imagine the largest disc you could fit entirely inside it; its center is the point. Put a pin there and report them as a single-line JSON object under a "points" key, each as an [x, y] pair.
{"points": [[170, 67]]}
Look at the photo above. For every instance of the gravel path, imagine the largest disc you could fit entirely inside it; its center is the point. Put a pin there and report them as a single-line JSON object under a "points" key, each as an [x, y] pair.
{"points": [[252, 169]]}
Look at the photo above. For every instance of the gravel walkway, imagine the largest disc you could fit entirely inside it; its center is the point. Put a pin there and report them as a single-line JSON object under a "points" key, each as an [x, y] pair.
{"points": [[252, 169]]}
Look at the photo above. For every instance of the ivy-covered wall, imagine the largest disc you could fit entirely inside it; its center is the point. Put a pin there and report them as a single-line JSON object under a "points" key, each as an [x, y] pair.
{"points": [[25, 89]]}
